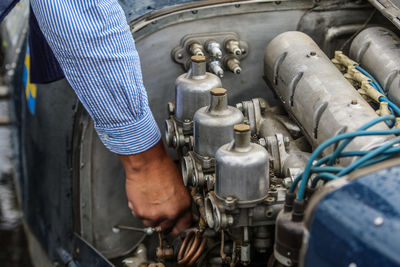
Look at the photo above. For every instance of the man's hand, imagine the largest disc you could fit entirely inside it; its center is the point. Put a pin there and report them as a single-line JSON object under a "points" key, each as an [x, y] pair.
{"points": [[155, 190]]}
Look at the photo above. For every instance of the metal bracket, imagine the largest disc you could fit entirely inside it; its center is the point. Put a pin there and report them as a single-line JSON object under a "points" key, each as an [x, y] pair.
{"points": [[182, 53]]}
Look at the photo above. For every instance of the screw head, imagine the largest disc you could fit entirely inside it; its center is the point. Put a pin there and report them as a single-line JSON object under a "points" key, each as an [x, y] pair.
{"points": [[378, 221]]}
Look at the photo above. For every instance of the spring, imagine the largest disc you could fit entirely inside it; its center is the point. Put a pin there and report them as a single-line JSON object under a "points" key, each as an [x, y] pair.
{"points": [[192, 247]]}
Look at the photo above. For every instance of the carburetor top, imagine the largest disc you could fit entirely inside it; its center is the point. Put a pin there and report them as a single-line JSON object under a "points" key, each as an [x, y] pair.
{"points": [[213, 124], [198, 59], [192, 89], [242, 168], [219, 91]]}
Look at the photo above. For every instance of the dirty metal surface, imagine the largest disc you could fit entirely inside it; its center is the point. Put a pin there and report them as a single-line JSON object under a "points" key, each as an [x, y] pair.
{"points": [[13, 247]]}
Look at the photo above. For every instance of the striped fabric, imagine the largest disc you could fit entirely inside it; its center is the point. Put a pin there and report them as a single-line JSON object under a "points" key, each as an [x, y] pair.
{"points": [[97, 53]]}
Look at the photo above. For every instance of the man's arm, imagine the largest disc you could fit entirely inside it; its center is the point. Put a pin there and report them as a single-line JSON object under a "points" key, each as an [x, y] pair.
{"points": [[93, 44]]}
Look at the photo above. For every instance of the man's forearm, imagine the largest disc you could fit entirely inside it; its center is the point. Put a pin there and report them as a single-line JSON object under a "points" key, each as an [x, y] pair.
{"points": [[96, 51]]}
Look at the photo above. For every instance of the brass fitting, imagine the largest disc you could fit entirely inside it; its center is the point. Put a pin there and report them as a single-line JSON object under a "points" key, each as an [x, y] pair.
{"points": [[343, 59], [370, 91], [383, 109]]}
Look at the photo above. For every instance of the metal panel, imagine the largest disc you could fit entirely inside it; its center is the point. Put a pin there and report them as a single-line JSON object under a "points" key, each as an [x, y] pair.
{"points": [[390, 9], [136, 8], [358, 223], [86, 255], [46, 147]]}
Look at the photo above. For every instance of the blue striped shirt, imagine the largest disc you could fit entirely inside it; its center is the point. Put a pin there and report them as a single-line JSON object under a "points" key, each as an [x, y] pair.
{"points": [[93, 44]]}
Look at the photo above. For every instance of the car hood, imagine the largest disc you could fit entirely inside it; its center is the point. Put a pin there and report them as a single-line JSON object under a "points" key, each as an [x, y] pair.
{"points": [[136, 8]]}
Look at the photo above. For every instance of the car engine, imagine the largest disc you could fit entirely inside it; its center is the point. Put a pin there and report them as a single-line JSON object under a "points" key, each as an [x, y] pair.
{"points": [[242, 162], [283, 117]]}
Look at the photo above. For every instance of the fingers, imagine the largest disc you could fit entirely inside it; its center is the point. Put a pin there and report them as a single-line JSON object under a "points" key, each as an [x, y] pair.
{"points": [[175, 226]]}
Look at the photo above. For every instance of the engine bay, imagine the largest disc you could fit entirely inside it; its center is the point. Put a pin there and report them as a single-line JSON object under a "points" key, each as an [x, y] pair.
{"points": [[262, 105]]}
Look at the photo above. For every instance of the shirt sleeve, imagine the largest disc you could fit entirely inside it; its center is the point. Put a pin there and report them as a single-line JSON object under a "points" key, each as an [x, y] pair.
{"points": [[93, 44]]}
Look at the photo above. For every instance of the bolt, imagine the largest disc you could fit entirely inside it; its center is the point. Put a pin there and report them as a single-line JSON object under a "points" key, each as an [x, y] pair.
{"points": [[287, 182], [263, 104], [269, 213], [262, 142], [229, 219], [180, 56], [354, 102], [239, 106], [378, 221], [313, 53], [171, 108], [286, 141], [270, 199]]}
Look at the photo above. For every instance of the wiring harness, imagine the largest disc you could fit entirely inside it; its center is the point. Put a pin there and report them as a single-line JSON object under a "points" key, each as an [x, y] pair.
{"points": [[325, 168]]}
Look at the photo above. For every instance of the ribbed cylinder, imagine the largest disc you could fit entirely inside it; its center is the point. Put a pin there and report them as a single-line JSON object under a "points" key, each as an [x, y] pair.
{"points": [[315, 92], [376, 49]]}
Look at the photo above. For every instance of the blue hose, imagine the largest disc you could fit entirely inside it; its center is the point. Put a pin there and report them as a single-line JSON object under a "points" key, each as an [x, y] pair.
{"points": [[368, 156], [324, 176], [363, 71], [364, 127], [326, 169], [391, 104], [306, 174], [386, 155]]}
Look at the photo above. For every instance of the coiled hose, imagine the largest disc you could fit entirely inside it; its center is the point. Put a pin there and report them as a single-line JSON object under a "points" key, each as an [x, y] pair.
{"points": [[192, 247]]}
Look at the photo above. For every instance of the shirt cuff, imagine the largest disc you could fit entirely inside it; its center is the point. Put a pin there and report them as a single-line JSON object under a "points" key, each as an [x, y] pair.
{"points": [[133, 138]]}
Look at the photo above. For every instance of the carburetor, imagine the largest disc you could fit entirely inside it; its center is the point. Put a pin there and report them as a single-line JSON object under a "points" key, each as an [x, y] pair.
{"points": [[213, 127], [227, 164], [191, 93]]}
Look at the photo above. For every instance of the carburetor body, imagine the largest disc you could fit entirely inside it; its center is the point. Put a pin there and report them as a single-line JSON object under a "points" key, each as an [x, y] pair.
{"points": [[213, 124], [213, 127], [242, 170], [192, 91]]}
